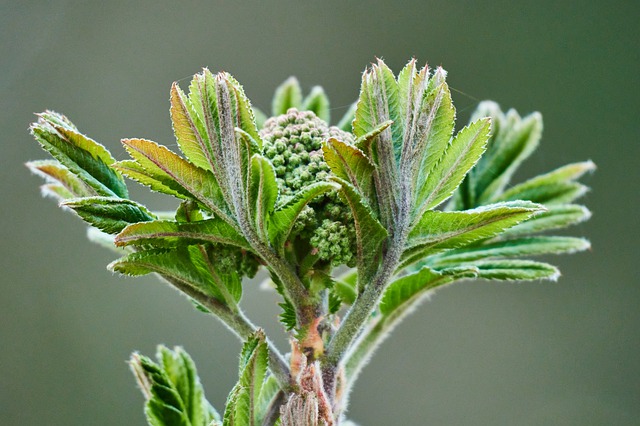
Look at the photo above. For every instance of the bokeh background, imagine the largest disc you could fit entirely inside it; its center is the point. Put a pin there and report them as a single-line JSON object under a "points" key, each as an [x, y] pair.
{"points": [[541, 353]]}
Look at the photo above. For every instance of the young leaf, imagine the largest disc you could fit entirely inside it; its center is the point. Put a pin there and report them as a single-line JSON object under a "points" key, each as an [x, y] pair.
{"points": [[438, 230], [350, 164], [526, 246], [84, 157], [317, 102], [164, 233], [189, 129], [166, 167], [378, 103], [430, 119], [456, 160], [288, 95], [109, 214], [173, 393]]}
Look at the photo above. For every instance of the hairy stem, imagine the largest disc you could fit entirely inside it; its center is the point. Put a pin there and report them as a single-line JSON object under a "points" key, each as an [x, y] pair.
{"points": [[237, 322]]}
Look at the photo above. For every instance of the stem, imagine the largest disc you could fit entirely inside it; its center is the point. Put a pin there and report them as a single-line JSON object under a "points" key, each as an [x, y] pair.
{"points": [[237, 322], [273, 411], [357, 317]]}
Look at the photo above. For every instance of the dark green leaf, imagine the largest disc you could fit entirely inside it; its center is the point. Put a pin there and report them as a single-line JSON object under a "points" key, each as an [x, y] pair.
{"points": [[109, 214], [84, 157]]}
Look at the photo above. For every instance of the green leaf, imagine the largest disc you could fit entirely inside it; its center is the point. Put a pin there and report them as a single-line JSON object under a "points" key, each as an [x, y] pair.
{"points": [[364, 142], [509, 270], [288, 95], [284, 216], [164, 233], [512, 141], [409, 289], [156, 182], [54, 172], [370, 234], [237, 411], [345, 289], [176, 264], [555, 187], [347, 118], [177, 174], [254, 361], [454, 163], [430, 117], [377, 104], [350, 164], [109, 214], [173, 393], [263, 192], [439, 230], [526, 246], [84, 157], [288, 315], [556, 217], [270, 388], [318, 102]]}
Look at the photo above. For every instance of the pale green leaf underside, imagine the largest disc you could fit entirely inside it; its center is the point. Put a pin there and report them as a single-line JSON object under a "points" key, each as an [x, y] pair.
{"points": [[526, 246]]}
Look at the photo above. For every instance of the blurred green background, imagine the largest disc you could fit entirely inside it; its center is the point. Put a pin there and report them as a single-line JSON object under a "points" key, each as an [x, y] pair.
{"points": [[564, 353]]}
